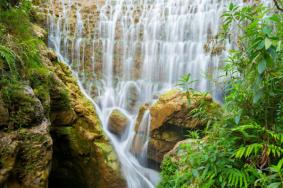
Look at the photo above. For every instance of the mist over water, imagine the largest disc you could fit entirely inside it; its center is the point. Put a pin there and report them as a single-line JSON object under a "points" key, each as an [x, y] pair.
{"points": [[126, 52]]}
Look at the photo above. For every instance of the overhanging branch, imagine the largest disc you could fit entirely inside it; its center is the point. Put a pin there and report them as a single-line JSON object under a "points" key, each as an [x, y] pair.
{"points": [[277, 5]]}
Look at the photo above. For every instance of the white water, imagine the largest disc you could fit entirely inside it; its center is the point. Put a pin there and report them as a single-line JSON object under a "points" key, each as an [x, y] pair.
{"points": [[143, 48]]}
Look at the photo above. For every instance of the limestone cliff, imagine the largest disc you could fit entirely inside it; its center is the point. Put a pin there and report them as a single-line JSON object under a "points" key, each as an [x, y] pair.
{"points": [[50, 134]]}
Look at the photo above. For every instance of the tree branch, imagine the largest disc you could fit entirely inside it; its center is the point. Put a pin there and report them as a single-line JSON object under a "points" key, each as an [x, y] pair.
{"points": [[277, 5]]}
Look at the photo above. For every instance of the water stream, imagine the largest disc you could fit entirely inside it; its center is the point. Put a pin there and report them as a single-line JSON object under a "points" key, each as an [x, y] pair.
{"points": [[126, 52]]}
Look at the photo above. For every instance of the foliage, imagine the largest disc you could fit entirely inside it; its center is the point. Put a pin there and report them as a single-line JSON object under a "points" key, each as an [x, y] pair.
{"points": [[186, 85], [21, 67], [8, 57], [244, 148]]}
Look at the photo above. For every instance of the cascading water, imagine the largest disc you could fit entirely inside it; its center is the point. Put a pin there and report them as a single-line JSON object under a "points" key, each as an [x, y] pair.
{"points": [[125, 52]]}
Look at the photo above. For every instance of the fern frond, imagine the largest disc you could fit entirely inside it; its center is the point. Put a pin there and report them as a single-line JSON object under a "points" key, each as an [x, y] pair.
{"points": [[236, 178], [256, 148], [278, 137], [246, 151], [244, 128], [9, 57], [276, 151]]}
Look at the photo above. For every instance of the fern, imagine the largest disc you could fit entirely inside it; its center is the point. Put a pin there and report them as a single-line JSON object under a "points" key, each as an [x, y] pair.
{"points": [[246, 151], [9, 57], [256, 149], [278, 137], [236, 178], [276, 151]]}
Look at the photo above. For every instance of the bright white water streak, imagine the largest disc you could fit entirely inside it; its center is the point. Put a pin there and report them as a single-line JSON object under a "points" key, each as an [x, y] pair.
{"points": [[125, 52]]}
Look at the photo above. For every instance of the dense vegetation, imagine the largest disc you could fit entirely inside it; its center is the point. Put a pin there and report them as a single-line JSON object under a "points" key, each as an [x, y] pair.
{"points": [[21, 64], [245, 147]]}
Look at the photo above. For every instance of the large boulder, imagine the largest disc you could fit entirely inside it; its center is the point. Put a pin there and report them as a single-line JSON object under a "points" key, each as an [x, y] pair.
{"points": [[118, 122], [172, 116]]}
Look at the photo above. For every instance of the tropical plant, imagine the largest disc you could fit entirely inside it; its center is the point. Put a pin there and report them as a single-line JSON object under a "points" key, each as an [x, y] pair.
{"points": [[244, 148], [186, 85], [8, 56]]}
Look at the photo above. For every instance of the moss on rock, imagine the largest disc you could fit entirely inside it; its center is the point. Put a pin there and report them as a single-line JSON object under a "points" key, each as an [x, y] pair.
{"points": [[40, 95]]}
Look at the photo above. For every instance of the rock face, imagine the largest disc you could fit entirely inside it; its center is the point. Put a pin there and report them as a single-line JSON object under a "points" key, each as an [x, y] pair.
{"points": [[118, 122], [173, 116], [25, 142], [83, 156], [50, 134]]}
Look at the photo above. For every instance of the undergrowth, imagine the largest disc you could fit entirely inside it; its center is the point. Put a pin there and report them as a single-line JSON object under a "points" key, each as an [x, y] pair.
{"points": [[245, 147]]}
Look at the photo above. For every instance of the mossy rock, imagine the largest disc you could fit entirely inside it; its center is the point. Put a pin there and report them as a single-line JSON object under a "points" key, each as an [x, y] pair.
{"points": [[24, 108]]}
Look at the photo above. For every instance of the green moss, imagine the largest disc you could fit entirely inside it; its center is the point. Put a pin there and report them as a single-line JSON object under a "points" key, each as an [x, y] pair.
{"points": [[76, 141], [40, 82]]}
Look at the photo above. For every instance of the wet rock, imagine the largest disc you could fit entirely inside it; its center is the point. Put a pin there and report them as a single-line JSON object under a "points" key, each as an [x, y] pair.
{"points": [[138, 144], [131, 97], [83, 156], [172, 117], [141, 112], [118, 122], [169, 103], [141, 131]]}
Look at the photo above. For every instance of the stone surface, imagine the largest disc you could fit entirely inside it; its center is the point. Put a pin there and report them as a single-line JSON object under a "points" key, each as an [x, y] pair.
{"points": [[81, 150], [172, 117], [26, 157], [53, 138], [176, 151], [118, 122]]}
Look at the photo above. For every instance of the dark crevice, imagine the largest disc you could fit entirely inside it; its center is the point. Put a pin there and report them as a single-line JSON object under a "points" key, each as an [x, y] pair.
{"points": [[66, 171]]}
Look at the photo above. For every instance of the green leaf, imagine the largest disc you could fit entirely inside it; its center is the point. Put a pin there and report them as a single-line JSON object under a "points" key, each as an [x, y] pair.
{"points": [[279, 46], [267, 30], [261, 66], [274, 185], [267, 43], [275, 18], [237, 119], [231, 6], [195, 173], [257, 96]]}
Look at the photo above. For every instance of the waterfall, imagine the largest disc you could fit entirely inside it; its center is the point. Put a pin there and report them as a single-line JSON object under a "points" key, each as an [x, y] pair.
{"points": [[126, 52]]}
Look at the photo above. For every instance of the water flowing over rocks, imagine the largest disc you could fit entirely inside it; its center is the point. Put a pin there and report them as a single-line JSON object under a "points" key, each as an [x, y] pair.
{"points": [[118, 122], [171, 120], [125, 53]]}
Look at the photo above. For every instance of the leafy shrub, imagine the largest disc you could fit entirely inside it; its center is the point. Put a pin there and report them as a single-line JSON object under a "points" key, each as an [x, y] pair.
{"points": [[244, 148]]}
